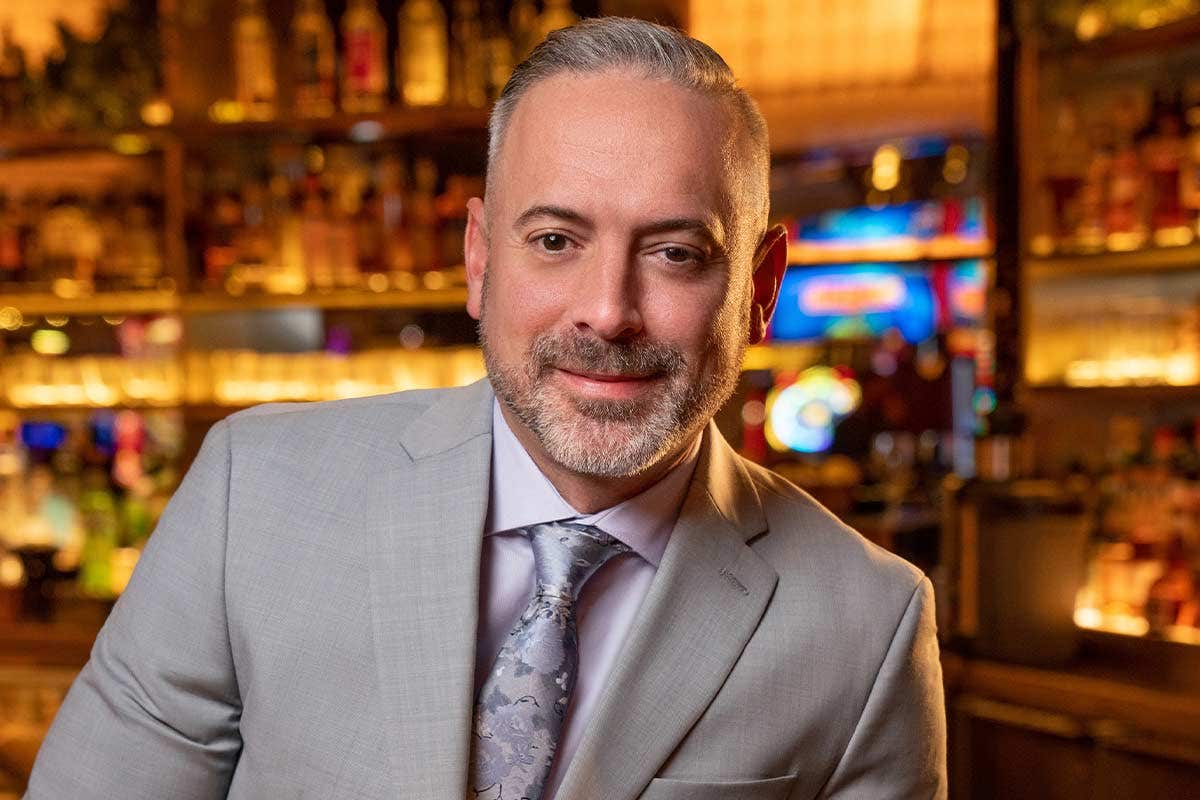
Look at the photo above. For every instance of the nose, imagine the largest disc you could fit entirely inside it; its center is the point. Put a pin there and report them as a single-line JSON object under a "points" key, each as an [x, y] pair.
{"points": [[607, 301]]}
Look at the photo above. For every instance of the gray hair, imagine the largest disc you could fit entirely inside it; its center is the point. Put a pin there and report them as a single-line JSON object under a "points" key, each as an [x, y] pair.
{"points": [[655, 51]]}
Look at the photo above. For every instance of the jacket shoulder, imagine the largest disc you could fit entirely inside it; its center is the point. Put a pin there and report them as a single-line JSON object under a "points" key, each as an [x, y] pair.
{"points": [[804, 535]]}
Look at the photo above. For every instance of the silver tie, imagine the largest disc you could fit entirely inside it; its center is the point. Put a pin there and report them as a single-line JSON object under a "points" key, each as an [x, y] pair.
{"points": [[521, 704]]}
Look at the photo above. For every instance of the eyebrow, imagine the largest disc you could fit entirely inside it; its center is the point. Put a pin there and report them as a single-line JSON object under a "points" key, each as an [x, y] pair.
{"points": [[692, 225], [553, 212]]}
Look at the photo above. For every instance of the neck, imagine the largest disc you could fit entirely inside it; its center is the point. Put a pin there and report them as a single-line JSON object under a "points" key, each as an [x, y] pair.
{"points": [[588, 494]]}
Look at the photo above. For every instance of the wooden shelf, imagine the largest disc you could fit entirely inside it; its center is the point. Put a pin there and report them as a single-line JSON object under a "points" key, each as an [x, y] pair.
{"points": [[449, 298], [1161, 259], [32, 141], [1182, 33], [115, 303], [802, 254], [156, 302], [390, 123], [1149, 392]]}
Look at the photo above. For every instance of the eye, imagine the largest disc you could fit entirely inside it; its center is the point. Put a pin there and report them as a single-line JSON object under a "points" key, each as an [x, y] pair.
{"points": [[553, 242], [680, 255]]}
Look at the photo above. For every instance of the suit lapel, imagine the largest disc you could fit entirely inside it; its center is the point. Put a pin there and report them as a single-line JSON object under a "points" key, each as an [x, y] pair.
{"points": [[425, 521], [705, 602]]}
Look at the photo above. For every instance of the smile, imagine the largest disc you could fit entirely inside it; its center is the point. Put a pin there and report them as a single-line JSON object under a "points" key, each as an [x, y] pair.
{"points": [[607, 385]]}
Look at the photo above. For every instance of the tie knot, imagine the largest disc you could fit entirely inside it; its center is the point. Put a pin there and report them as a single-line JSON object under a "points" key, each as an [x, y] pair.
{"points": [[566, 554]]}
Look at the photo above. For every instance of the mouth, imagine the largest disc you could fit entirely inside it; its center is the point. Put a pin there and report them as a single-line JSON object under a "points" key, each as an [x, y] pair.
{"points": [[607, 385]]}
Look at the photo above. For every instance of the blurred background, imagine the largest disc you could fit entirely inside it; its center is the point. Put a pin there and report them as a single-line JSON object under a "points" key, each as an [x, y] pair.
{"points": [[986, 355]]}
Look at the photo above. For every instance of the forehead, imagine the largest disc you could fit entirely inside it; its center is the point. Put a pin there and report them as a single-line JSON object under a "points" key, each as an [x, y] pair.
{"points": [[619, 139]]}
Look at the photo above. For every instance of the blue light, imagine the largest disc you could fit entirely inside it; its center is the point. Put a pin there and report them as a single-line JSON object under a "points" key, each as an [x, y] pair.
{"points": [[856, 301]]}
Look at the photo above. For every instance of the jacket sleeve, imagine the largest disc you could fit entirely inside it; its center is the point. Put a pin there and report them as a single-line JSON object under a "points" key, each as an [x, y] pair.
{"points": [[154, 713], [898, 748]]}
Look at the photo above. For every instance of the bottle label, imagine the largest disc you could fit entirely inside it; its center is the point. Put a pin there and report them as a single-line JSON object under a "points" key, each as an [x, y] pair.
{"points": [[363, 50]]}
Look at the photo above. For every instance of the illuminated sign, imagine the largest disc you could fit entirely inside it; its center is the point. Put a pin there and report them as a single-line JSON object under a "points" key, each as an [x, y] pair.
{"points": [[803, 415], [857, 301]]}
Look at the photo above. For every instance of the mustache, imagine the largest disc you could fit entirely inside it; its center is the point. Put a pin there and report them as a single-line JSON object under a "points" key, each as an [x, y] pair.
{"points": [[579, 352]]}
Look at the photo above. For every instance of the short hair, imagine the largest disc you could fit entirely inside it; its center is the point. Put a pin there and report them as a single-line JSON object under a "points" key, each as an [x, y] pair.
{"points": [[655, 51]]}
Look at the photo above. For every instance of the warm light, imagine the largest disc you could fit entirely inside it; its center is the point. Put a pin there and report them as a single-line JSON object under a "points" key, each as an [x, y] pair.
{"points": [[1092, 22], [227, 111], [157, 112], [57, 322], [885, 168], [121, 565], [49, 342], [1173, 237], [954, 170], [130, 144], [10, 318], [66, 288], [1088, 617], [314, 159], [12, 574]]}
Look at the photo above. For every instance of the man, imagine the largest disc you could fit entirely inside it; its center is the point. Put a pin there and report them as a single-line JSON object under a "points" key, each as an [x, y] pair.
{"points": [[340, 600]]}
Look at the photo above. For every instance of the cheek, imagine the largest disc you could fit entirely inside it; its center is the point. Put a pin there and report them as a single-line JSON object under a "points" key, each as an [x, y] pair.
{"points": [[519, 307]]}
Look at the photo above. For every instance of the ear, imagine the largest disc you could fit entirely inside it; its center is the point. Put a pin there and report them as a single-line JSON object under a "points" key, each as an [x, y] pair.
{"points": [[475, 254], [770, 262]]}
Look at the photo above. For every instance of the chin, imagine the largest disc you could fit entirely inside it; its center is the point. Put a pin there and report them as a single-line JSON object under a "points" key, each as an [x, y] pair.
{"points": [[618, 443]]}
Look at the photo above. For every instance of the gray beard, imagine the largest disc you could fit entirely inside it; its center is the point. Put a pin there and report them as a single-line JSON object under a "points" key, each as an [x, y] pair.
{"points": [[607, 438]]}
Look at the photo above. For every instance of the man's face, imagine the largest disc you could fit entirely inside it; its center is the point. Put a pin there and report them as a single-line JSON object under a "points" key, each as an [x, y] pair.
{"points": [[612, 287]]}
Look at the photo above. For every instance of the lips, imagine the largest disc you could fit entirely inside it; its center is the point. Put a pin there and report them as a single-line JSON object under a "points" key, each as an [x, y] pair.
{"points": [[608, 377], [606, 385]]}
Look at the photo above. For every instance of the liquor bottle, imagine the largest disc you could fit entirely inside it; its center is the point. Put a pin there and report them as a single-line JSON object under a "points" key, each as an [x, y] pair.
{"points": [[1124, 215], [364, 69], [398, 254], [422, 58], [557, 14], [254, 61], [143, 242], [314, 59], [71, 241], [220, 238], [523, 22], [1189, 179], [423, 216], [315, 235], [1162, 152], [12, 77], [1090, 232], [343, 245], [11, 265], [469, 61], [498, 50], [370, 241], [451, 210], [1066, 165]]}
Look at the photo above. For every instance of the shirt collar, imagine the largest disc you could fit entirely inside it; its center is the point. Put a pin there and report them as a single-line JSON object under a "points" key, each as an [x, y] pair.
{"points": [[522, 495]]}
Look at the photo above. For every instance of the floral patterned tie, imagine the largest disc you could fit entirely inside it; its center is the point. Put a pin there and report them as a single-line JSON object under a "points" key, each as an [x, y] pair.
{"points": [[520, 708]]}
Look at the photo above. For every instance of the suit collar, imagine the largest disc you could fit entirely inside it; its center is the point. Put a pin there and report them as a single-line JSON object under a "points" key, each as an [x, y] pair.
{"points": [[453, 418], [705, 603], [727, 482]]}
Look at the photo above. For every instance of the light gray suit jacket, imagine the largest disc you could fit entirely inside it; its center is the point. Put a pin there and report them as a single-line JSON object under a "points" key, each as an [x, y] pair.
{"points": [[302, 625]]}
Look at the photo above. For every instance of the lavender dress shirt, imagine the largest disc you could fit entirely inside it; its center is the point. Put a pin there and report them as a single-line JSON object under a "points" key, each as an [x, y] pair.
{"points": [[522, 495]]}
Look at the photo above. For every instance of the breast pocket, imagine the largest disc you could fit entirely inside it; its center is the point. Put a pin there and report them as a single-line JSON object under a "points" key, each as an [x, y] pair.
{"points": [[764, 789]]}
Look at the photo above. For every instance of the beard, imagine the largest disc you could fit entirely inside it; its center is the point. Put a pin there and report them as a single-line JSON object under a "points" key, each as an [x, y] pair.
{"points": [[613, 438]]}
